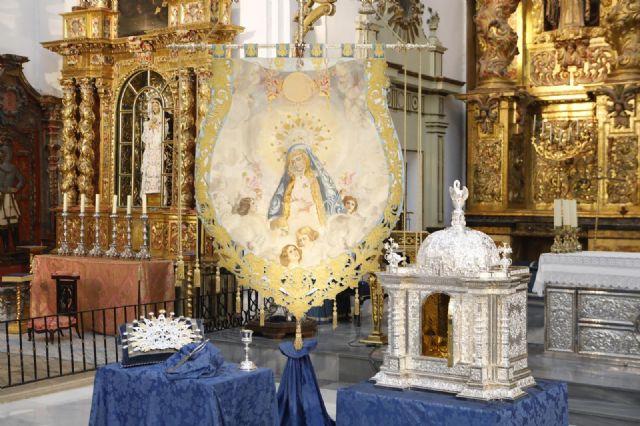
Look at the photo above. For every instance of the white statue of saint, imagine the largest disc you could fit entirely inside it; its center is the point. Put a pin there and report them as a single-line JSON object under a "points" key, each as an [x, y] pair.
{"points": [[152, 135]]}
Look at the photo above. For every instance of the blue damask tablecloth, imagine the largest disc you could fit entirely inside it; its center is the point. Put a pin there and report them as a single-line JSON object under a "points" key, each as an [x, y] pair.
{"points": [[364, 404], [145, 396]]}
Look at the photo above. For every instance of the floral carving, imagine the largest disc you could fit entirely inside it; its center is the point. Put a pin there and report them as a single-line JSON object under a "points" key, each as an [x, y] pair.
{"points": [[406, 17], [621, 103], [622, 158], [623, 34], [497, 41], [571, 63], [560, 325], [607, 341], [487, 173]]}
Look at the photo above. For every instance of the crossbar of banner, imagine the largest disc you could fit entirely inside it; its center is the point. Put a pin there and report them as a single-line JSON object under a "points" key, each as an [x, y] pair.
{"points": [[208, 46]]}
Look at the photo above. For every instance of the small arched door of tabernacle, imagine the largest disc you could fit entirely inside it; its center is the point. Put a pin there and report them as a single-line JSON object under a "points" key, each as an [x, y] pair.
{"points": [[436, 326]]}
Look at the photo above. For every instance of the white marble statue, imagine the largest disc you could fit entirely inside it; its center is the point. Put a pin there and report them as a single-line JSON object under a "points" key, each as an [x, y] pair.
{"points": [[152, 135]]}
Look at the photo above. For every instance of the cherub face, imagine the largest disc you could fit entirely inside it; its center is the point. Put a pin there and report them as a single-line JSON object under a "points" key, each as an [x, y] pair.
{"points": [[303, 240], [293, 255], [350, 205]]}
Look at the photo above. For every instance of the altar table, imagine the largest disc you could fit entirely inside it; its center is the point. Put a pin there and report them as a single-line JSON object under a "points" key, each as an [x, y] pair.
{"points": [[546, 404], [592, 303], [104, 283], [144, 396]]}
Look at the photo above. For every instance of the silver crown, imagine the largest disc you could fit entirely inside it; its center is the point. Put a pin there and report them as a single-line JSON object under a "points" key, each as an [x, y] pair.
{"points": [[161, 333]]}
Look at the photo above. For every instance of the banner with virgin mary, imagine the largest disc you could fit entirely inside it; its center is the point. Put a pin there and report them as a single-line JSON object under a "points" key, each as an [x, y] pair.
{"points": [[299, 173]]}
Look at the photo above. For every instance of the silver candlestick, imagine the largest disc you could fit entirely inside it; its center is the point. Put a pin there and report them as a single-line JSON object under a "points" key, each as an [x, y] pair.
{"points": [[246, 365], [96, 251], [113, 251], [128, 253], [80, 250], [144, 254], [64, 249]]}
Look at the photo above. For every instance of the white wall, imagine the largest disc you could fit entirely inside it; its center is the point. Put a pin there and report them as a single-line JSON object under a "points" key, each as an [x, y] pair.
{"points": [[26, 23]]}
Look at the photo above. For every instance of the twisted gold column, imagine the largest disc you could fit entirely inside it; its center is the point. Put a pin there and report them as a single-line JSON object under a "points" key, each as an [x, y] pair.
{"points": [[69, 141], [187, 139], [87, 137], [107, 171], [204, 93]]}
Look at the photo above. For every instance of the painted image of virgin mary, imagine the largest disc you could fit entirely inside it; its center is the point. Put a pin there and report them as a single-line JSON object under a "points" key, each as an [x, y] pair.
{"points": [[306, 195]]}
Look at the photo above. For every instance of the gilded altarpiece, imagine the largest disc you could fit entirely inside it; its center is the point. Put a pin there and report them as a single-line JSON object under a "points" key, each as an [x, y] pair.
{"points": [[112, 83], [552, 114]]}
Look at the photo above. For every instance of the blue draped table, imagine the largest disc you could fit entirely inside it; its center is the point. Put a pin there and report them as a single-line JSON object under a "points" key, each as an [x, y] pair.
{"points": [[365, 404], [145, 396]]}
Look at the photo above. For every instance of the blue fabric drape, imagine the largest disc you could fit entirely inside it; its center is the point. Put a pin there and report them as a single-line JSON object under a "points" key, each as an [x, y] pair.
{"points": [[299, 400], [192, 396], [364, 404]]}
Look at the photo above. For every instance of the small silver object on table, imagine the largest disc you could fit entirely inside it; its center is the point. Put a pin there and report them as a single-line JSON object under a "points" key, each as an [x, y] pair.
{"points": [[128, 253], [144, 254], [246, 365], [64, 249], [113, 251], [96, 251], [80, 250]]}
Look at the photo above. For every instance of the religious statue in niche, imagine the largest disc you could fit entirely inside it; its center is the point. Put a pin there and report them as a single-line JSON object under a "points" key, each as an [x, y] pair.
{"points": [[571, 14], [138, 16], [153, 131], [11, 181]]}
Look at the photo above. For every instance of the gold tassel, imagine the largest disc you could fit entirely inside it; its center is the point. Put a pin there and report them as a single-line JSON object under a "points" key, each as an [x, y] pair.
{"points": [[262, 316], [335, 314], [297, 343], [356, 306], [196, 276], [217, 280], [238, 301], [180, 270]]}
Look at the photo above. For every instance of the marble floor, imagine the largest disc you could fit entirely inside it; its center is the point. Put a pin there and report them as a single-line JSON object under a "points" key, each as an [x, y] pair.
{"points": [[599, 394]]}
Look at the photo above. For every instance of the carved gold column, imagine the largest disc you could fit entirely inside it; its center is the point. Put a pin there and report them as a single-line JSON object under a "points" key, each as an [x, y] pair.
{"points": [[107, 170], [87, 136], [69, 141], [497, 42], [623, 34], [187, 139], [204, 93]]}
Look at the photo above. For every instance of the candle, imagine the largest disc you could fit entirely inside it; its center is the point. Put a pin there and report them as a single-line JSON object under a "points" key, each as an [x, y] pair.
{"points": [[566, 212], [114, 206], [557, 213], [82, 201], [144, 203], [534, 124], [128, 204], [65, 202], [97, 203], [574, 215]]}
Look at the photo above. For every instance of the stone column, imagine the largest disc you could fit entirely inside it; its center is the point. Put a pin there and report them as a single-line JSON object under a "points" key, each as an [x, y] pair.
{"points": [[69, 141], [86, 168], [186, 137]]}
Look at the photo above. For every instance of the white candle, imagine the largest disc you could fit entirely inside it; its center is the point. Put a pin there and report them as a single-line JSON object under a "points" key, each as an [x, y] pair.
{"points": [[557, 213], [82, 201], [566, 212], [128, 204], [534, 124], [114, 206], [144, 203], [97, 202], [65, 202], [574, 215]]}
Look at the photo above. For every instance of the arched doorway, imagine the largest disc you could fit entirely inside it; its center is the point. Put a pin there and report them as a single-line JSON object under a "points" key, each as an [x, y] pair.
{"points": [[435, 326]]}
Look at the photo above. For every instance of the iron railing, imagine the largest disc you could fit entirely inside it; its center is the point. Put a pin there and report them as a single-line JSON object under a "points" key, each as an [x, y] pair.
{"points": [[35, 349]]}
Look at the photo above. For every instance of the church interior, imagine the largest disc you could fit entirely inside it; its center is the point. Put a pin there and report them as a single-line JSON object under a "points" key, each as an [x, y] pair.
{"points": [[320, 212]]}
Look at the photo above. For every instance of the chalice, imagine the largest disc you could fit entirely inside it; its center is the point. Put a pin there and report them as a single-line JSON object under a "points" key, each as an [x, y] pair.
{"points": [[246, 365]]}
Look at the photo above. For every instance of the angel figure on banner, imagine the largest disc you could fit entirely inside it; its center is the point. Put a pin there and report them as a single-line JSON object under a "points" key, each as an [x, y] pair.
{"points": [[306, 194], [152, 136]]}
